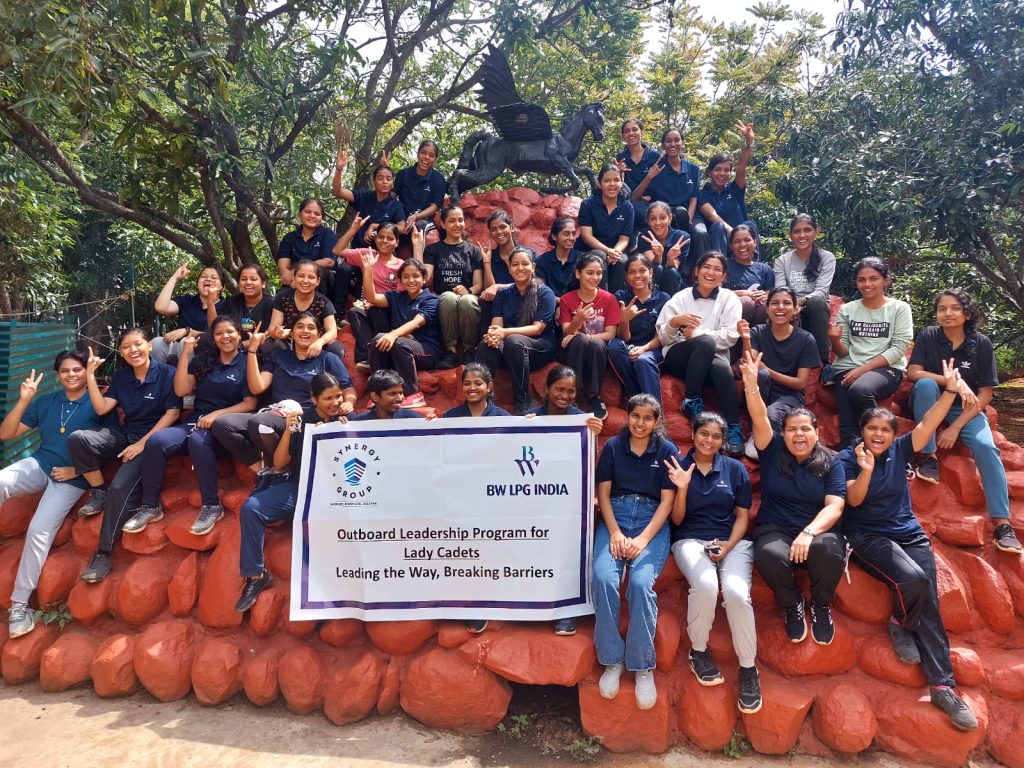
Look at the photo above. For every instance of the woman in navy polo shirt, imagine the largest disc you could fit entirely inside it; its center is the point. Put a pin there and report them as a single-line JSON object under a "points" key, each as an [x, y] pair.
{"points": [[557, 267], [219, 384], [674, 180], [891, 546], [635, 496], [420, 188], [310, 241], [194, 311], [145, 392], [803, 488], [635, 353], [635, 160], [750, 280], [709, 527], [375, 205], [721, 202], [606, 224], [301, 297], [497, 261], [667, 248]]}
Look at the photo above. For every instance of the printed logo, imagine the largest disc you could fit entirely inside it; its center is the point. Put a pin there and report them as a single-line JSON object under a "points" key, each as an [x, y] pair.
{"points": [[357, 467], [965, 364], [528, 463], [149, 396], [230, 377], [354, 469]]}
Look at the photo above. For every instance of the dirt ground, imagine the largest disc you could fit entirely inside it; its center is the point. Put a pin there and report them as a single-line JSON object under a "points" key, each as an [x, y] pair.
{"points": [[1009, 401]]}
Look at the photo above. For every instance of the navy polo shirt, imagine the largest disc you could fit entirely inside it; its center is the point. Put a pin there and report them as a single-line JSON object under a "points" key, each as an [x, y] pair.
{"points": [[223, 385], [642, 328], [886, 509], [375, 212], [636, 172], [974, 358], [673, 237], [791, 502], [295, 248], [403, 309], [508, 300], [499, 267], [191, 313], [676, 189], [607, 227], [143, 402], [292, 377], [730, 203], [48, 413], [711, 499], [417, 192], [554, 273], [463, 410], [401, 413], [629, 473], [787, 357], [739, 277], [542, 410]]}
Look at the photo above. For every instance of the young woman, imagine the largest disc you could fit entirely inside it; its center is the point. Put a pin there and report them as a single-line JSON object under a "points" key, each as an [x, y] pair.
{"points": [[750, 280], [386, 391], [667, 248], [300, 298], [218, 382], [455, 270], [522, 330], [606, 224], [145, 391], [635, 352], [497, 261], [709, 527], [413, 338], [252, 305], [673, 180], [635, 496], [721, 202], [374, 206], [809, 270], [697, 328], [310, 241], [328, 397], [635, 160], [955, 335], [890, 545], [286, 373], [420, 188], [557, 267], [49, 469], [870, 339], [194, 312], [803, 489]]}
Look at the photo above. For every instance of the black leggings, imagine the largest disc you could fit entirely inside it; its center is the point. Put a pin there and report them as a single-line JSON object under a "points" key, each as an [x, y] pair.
{"points": [[825, 562], [695, 362]]}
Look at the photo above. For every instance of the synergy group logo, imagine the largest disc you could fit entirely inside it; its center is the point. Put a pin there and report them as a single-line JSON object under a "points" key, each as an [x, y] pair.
{"points": [[357, 465]]}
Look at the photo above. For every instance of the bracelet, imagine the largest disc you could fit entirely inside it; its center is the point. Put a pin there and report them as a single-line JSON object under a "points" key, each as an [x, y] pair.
{"points": [[809, 532], [952, 392]]}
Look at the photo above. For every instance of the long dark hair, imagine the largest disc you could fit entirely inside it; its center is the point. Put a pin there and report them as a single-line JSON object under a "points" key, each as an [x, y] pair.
{"points": [[965, 300], [813, 268], [208, 359], [821, 458], [444, 215], [528, 306]]}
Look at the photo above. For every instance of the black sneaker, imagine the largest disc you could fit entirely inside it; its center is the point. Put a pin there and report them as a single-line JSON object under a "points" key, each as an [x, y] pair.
{"points": [[734, 440], [750, 691], [1005, 539], [251, 590], [599, 408], [960, 714], [692, 407], [704, 668], [903, 644], [98, 569], [566, 627], [94, 504], [449, 361], [796, 625], [828, 376], [928, 470], [476, 626], [822, 629]]}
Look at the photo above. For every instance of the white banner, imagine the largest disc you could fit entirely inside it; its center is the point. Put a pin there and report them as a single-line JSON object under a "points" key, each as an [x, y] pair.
{"points": [[463, 518]]}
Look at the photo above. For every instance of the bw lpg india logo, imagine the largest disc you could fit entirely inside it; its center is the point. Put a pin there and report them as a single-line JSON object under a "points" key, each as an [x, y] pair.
{"points": [[356, 467]]}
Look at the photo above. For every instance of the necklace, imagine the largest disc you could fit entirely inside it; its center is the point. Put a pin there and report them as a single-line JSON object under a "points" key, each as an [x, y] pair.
{"points": [[64, 420]]}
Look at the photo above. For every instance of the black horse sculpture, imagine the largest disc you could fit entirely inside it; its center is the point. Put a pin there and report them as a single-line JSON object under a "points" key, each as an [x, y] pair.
{"points": [[526, 143]]}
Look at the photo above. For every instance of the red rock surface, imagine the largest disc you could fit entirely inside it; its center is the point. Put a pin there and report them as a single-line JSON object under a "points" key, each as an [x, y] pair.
{"points": [[533, 654], [112, 668], [66, 663], [621, 726], [353, 687], [21, 658], [216, 670], [301, 673], [910, 726], [843, 719], [442, 690], [775, 729], [707, 714], [163, 659]]}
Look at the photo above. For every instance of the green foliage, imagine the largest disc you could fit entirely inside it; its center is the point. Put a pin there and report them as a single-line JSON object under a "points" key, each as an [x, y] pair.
{"points": [[59, 614], [584, 750], [737, 747], [518, 726]]}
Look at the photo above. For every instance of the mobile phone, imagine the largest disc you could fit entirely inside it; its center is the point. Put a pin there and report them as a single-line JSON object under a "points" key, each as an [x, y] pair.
{"points": [[712, 549]]}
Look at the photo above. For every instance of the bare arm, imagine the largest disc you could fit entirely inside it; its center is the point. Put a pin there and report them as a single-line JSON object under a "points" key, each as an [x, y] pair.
{"points": [[11, 427], [164, 305]]}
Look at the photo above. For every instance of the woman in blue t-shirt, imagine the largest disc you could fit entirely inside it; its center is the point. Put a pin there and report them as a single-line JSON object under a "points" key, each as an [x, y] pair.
{"points": [[721, 202], [375, 205], [635, 352], [635, 160], [557, 267], [194, 311], [891, 546], [667, 248], [802, 493], [606, 224], [750, 280], [309, 241]]}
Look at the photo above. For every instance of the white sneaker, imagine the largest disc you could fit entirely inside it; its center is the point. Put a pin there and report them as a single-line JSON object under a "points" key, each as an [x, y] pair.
{"points": [[646, 692], [750, 450], [609, 683]]}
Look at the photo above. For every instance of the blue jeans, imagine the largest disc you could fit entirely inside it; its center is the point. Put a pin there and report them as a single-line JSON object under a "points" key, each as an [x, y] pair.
{"points": [[642, 375], [259, 510], [632, 513], [977, 436]]}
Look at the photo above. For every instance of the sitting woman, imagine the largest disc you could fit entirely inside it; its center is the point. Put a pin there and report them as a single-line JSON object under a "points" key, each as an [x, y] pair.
{"points": [[676, 181], [955, 335], [667, 248], [194, 312], [144, 390], [310, 241], [635, 160], [709, 527], [750, 280], [219, 384], [589, 317], [635, 353], [327, 398], [803, 488], [300, 298], [635, 497], [870, 339], [606, 224], [891, 546], [497, 260], [374, 206], [721, 202], [697, 328], [413, 338], [557, 267], [522, 330], [252, 305], [421, 187]]}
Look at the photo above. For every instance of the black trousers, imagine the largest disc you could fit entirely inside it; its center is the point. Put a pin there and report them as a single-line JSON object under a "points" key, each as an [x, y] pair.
{"points": [[406, 356], [907, 567], [862, 395], [825, 562], [378, 321], [695, 362], [520, 354], [587, 356]]}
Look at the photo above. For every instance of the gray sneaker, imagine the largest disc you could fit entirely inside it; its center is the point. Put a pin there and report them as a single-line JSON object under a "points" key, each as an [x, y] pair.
{"points": [[903, 644], [20, 620], [1005, 539], [98, 569], [960, 714], [143, 516], [94, 504], [209, 516]]}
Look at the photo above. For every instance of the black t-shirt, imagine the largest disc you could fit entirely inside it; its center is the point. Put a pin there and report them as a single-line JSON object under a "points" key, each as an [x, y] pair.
{"points": [[453, 264], [248, 317], [787, 356], [974, 358]]}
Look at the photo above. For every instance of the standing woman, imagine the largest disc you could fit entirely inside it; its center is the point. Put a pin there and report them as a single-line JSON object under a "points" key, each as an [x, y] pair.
{"points": [[750, 280], [955, 335], [194, 312], [635, 352], [557, 267], [219, 384], [145, 391], [49, 470], [667, 248], [589, 317], [310, 241], [420, 188], [710, 545], [809, 270], [635, 497], [870, 339], [803, 488], [635, 160], [252, 305], [890, 545], [374, 206], [673, 180], [300, 298], [721, 203], [606, 224], [697, 328]]}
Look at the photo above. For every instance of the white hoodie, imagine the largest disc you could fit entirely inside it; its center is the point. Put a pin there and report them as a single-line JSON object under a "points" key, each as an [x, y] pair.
{"points": [[719, 315]]}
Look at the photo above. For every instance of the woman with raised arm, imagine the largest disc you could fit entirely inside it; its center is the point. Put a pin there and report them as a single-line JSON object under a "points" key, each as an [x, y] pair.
{"points": [[721, 202], [673, 180], [375, 206], [194, 311]]}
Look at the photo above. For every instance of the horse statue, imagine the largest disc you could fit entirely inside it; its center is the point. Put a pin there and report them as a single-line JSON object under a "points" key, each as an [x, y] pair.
{"points": [[525, 141]]}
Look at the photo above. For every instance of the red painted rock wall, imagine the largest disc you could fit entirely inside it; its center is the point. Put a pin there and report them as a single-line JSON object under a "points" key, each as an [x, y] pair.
{"points": [[165, 620]]}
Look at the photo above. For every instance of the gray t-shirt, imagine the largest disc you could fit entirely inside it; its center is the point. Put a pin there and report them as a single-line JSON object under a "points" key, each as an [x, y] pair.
{"points": [[789, 272]]}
